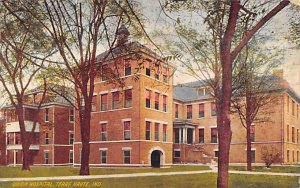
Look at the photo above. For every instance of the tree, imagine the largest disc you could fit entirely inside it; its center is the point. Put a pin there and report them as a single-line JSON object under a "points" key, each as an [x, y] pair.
{"points": [[77, 37], [253, 85], [232, 32], [270, 155], [18, 69]]}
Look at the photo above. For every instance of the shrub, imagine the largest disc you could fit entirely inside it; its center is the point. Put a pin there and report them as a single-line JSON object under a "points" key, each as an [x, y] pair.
{"points": [[270, 155]]}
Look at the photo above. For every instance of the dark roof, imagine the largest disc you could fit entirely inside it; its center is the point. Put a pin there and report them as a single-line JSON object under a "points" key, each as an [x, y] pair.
{"points": [[188, 91]]}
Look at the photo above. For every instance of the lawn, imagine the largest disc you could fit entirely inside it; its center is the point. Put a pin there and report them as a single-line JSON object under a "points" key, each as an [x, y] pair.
{"points": [[283, 169], [207, 180], [13, 172]]}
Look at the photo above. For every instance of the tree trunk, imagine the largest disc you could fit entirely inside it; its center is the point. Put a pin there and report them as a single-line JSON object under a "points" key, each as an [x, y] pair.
{"points": [[85, 138], [249, 111], [24, 138]]}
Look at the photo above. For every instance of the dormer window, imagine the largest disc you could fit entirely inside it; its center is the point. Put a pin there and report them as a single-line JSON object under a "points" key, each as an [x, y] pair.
{"points": [[204, 91]]}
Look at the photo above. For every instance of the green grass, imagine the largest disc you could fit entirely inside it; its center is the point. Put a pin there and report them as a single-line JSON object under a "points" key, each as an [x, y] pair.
{"points": [[207, 180], [282, 169], [13, 172]]}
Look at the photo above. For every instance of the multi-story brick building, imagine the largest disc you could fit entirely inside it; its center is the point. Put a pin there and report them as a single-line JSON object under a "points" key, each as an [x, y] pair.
{"points": [[51, 138], [196, 134], [131, 122]]}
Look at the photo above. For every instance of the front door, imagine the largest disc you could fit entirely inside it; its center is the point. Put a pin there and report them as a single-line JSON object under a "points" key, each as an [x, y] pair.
{"points": [[155, 158]]}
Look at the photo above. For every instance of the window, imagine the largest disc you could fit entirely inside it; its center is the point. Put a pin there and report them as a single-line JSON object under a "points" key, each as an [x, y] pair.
{"points": [[293, 134], [164, 132], [216, 153], [71, 138], [148, 130], [46, 157], [214, 135], [293, 155], [176, 132], [252, 156], [156, 98], [288, 104], [293, 108], [104, 72], [165, 74], [17, 138], [297, 156], [288, 133], [164, 103], [156, 71], [213, 109], [8, 139], [115, 100], [126, 156], [128, 98], [71, 116], [47, 114], [127, 68], [297, 135], [126, 130], [252, 133], [103, 102], [103, 131], [201, 110], [103, 156], [189, 111], [156, 133], [201, 92], [147, 66], [71, 156], [288, 156], [94, 102], [190, 136], [148, 97], [201, 135], [177, 153], [46, 138], [176, 111]]}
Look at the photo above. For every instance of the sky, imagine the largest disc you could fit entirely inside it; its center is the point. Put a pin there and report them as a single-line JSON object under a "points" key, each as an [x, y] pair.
{"points": [[277, 27]]}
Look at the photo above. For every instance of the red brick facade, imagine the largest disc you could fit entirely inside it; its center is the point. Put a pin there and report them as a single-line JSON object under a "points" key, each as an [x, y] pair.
{"points": [[50, 140]]}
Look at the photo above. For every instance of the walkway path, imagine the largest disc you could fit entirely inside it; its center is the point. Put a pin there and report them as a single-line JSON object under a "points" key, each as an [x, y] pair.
{"points": [[138, 175]]}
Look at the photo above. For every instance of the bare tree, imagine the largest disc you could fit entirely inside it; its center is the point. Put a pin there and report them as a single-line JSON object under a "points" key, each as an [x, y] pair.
{"points": [[78, 28], [253, 84], [228, 22], [18, 70]]}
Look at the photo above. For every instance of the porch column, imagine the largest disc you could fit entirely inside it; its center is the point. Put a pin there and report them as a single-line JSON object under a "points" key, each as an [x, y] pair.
{"points": [[14, 158], [184, 135], [194, 136], [180, 141]]}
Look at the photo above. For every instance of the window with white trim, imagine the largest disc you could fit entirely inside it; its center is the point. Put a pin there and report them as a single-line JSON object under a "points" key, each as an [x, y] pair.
{"points": [[127, 156], [126, 130], [103, 156]]}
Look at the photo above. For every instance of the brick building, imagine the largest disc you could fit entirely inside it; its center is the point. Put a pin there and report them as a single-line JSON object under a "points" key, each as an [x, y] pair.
{"points": [[195, 133], [131, 123], [51, 139]]}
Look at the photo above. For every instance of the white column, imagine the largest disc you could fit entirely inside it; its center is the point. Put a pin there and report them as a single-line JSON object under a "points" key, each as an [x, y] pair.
{"points": [[184, 135], [14, 158], [194, 135], [180, 141], [14, 138]]}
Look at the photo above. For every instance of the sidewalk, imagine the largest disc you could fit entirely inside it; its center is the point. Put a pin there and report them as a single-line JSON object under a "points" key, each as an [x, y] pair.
{"points": [[138, 175]]}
